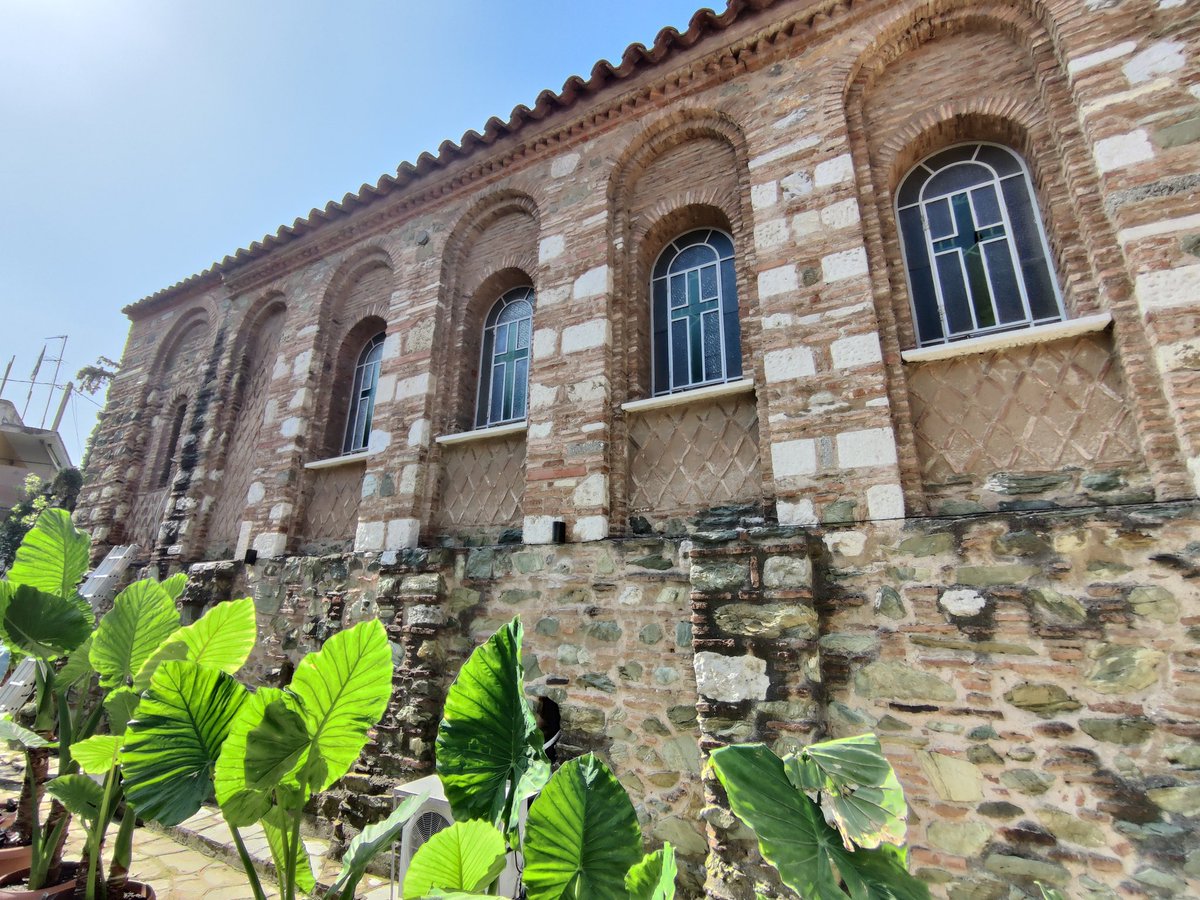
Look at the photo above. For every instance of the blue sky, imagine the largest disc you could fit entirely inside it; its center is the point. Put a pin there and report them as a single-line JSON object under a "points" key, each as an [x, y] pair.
{"points": [[144, 139]]}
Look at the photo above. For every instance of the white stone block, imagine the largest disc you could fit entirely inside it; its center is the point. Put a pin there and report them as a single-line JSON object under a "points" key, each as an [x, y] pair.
{"points": [[785, 365], [592, 491], [301, 363], [279, 512], [243, 541], [545, 343], [270, 544], [869, 447], [402, 534], [391, 345], [795, 147], [844, 264], [963, 602], [1100, 57], [542, 396], [798, 184], [408, 480], [592, 283], [1168, 287], [775, 281], [731, 679], [840, 215], [846, 543], [1157, 59], [779, 320], [772, 234], [1122, 150], [564, 165], [590, 528], [885, 501], [291, 426], [418, 433], [369, 536], [764, 195], [796, 512], [538, 530], [378, 440], [539, 431], [588, 391], [856, 350], [834, 171], [798, 457], [806, 223], [553, 295], [417, 386], [298, 399], [255, 493], [551, 248], [585, 336]]}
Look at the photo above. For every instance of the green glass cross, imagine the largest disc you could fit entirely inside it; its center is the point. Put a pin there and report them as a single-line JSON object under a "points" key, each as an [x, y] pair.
{"points": [[694, 311], [968, 240], [508, 358]]}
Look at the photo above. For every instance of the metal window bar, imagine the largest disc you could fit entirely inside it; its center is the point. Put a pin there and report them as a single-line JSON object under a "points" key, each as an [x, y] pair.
{"points": [[502, 394]]}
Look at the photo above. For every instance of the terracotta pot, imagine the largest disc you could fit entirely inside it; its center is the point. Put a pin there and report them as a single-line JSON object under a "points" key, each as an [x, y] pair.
{"points": [[61, 890], [140, 890], [14, 859]]}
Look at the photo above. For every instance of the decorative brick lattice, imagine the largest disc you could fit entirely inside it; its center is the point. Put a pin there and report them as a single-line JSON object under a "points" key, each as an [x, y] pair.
{"points": [[146, 516], [1039, 408], [331, 513], [483, 483], [686, 458]]}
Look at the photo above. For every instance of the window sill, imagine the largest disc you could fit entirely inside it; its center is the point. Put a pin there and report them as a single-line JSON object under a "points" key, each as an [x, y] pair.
{"points": [[483, 434], [680, 398], [335, 461], [1005, 340]]}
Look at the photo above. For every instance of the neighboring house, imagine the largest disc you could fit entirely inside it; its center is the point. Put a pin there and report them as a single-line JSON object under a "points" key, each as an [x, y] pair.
{"points": [[850, 348], [25, 451]]}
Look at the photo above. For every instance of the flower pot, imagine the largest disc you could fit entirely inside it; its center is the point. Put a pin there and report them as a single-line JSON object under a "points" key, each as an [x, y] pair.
{"points": [[14, 859], [137, 889], [12, 886]]}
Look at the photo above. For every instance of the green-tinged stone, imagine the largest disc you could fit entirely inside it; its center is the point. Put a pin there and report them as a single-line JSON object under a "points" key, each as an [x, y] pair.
{"points": [[1022, 754], [1000, 809], [849, 644], [942, 643], [959, 838], [930, 875], [1058, 607], [983, 733], [533, 671], [1125, 730], [1026, 781], [651, 634], [1186, 756], [790, 710], [960, 508], [423, 583], [654, 726], [1028, 869], [672, 595], [665, 675], [889, 680], [1104, 568], [844, 721], [513, 596], [1185, 132], [713, 577], [1091, 889], [1020, 543], [603, 631], [664, 779], [568, 654], [984, 755], [1069, 827], [682, 754], [480, 563], [631, 671], [1010, 483], [1120, 668], [583, 720], [951, 778], [682, 716], [787, 573], [945, 727], [1103, 481], [767, 620], [528, 562], [1184, 800], [1155, 603], [463, 598], [599, 682], [683, 634], [651, 562], [989, 576], [839, 511], [685, 836], [605, 565], [1192, 865], [928, 545], [888, 603], [1045, 700], [1157, 878], [891, 723], [547, 626]]}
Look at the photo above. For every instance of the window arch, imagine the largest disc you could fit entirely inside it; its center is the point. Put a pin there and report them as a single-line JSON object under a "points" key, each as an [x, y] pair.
{"points": [[975, 250], [166, 464], [362, 395], [696, 338], [504, 359]]}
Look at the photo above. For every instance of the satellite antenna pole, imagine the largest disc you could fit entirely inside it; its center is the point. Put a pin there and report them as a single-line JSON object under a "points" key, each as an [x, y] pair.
{"points": [[33, 381], [7, 369], [62, 407], [62, 351]]}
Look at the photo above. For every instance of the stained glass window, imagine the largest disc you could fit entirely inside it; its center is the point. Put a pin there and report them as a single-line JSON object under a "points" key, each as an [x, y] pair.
{"points": [[504, 360], [696, 336], [974, 248], [362, 396]]}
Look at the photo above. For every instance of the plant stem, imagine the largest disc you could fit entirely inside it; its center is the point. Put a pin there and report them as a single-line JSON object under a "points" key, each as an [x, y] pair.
{"points": [[294, 853], [247, 862], [97, 831]]}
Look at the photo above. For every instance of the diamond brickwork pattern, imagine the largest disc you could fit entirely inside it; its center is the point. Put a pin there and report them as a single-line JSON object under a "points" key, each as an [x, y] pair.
{"points": [[483, 483], [687, 458], [331, 513], [1041, 408], [146, 517]]}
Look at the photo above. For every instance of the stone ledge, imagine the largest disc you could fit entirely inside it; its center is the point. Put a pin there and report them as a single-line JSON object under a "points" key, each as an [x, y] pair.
{"points": [[483, 434], [695, 395], [335, 461], [1005, 340]]}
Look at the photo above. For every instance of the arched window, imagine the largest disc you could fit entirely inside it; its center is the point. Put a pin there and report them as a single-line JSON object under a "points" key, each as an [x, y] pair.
{"points": [[504, 359], [974, 248], [362, 395], [166, 464], [693, 291]]}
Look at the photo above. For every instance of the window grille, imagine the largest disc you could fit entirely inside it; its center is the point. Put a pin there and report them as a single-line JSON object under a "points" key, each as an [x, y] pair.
{"points": [[975, 250], [696, 338], [362, 395], [504, 359]]}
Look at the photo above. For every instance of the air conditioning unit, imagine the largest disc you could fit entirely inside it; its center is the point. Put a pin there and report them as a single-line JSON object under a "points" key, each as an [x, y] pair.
{"points": [[433, 816]]}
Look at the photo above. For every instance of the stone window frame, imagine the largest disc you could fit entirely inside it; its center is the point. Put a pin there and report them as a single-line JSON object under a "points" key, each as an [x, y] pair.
{"points": [[727, 312], [369, 365], [485, 416], [1025, 245]]}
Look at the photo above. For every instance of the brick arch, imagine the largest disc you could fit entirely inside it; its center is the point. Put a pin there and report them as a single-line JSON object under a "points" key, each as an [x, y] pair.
{"points": [[202, 315]]}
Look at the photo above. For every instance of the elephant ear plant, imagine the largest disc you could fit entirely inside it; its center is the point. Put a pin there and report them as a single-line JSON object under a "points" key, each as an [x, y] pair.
{"points": [[831, 819], [581, 838]]}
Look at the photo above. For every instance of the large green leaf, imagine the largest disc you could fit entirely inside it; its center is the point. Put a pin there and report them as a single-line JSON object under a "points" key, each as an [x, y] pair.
{"points": [[654, 877], [489, 747], [275, 824], [369, 843], [220, 639], [53, 555], [794, 837], [120, 705], [344, 689], [19, 737], [97, 754], [44, 625], [175, 738], [78, 666], [467, 856], [79, 794], [582, 835], [273, 745], [142, 617], [174, 586]]}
